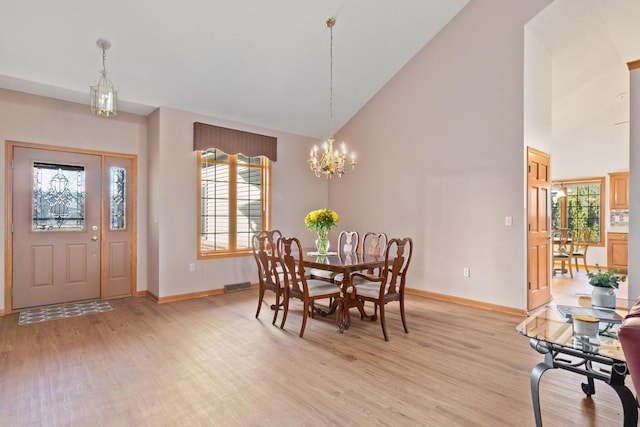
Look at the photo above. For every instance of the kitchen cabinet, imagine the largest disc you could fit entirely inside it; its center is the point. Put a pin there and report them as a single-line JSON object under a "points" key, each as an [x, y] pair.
{"points": [[619, 190], [618, 251]]}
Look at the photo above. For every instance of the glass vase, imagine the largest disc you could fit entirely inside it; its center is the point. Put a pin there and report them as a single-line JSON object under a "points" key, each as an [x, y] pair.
{"points": [[322, 242]]}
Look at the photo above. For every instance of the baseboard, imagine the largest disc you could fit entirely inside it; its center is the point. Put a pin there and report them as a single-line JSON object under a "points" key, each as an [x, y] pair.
{"points": [[464, 301], [417, 292], [181, 297]]}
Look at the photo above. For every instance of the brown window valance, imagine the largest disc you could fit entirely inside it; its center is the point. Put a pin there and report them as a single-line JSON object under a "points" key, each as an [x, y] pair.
{"points": [[232, 141]]}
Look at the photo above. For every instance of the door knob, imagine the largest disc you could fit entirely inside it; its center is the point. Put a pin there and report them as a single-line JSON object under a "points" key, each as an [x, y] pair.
{"points": [[94, 237]]}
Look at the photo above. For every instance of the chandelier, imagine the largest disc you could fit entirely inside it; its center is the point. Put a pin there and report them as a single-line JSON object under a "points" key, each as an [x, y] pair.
{"points": [[104, 98], [327, 160]]}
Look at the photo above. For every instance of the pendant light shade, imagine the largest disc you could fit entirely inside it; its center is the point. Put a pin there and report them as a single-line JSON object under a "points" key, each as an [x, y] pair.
{"points": [[104, 98]]}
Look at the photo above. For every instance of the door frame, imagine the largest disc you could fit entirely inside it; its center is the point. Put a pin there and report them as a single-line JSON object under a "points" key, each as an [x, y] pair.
{"points": [[8, 241]]}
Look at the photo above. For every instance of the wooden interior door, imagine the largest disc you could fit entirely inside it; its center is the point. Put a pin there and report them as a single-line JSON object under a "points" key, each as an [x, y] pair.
{"points": [[56, 227], [539, 229]]}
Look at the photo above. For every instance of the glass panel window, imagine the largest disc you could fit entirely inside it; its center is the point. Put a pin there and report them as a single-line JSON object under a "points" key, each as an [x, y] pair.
{"points": [[579, 205], [118, 198], [233, 201], [58, 197]]}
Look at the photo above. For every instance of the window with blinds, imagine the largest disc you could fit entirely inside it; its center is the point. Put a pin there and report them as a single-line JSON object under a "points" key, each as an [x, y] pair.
{"points": [[234, 202]]}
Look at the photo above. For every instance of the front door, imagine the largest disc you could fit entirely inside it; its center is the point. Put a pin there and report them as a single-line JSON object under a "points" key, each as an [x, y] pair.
{"points": [[539, 229], [56, 226]]}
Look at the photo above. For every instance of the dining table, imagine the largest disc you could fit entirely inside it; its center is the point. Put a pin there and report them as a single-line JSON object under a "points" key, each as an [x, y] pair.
{"points": [[345, 263]]}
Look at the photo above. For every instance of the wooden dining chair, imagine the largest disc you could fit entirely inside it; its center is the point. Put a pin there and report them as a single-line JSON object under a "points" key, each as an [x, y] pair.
{"points": [[297, 285], [348, 242], [374, 243], [348, 246], [563, 249], [270, 272], [389, 284], [581, 240]]}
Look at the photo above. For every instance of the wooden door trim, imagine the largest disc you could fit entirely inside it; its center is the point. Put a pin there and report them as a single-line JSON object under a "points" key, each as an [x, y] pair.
{"points": [[8, 241]]}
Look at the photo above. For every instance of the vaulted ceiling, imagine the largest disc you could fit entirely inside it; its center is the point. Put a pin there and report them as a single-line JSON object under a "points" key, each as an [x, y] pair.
{"points": [[264, 63]]}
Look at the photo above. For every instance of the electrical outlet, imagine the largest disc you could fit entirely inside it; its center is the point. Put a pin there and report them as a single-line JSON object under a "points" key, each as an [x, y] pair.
{"points": [[192, 267], [465, 272]]}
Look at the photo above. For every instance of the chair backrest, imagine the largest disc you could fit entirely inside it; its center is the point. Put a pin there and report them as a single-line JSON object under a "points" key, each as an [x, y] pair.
{"points": [[290, 255], [581, 239], [564, 240], [374, 244], [348, 241], [396, 264], [264, 246]]}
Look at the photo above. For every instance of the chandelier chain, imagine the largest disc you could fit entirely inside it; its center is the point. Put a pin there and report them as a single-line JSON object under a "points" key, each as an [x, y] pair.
{"points": [[330, 25], [327, 160], [104, 60]]}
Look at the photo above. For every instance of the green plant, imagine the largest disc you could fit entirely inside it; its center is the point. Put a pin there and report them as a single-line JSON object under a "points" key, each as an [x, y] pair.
{"points": [[607, 279]]}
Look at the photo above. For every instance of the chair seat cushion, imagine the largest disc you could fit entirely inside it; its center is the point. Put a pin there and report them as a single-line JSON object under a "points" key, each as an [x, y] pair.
{"points": [[325, 274], [368, 289], [560, 255], [321, 287]]}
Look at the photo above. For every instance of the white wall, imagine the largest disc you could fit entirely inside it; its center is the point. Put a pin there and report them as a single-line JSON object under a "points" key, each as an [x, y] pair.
{"points": [[441, 149], [40, 120], [537, 95], [172, 213]]}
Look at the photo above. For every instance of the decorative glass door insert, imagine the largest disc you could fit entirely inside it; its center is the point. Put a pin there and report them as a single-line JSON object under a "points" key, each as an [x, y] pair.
{"points": [[118, 198], [58, 197]]}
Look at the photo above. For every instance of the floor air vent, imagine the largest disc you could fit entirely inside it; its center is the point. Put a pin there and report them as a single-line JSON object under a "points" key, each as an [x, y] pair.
{"points": [[237, 287]]}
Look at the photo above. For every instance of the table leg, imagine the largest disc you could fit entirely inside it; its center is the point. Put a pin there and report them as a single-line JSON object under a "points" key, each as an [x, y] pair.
{"points": [[344, 317], [629, 405], [536, 374]]}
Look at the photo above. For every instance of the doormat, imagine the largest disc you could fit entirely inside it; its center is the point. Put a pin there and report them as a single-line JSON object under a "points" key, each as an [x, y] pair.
{"points": [[37, 315]]}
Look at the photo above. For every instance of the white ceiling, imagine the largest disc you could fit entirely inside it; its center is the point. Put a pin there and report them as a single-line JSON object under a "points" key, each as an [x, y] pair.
{"points": [[264, 63], [590, 43]]}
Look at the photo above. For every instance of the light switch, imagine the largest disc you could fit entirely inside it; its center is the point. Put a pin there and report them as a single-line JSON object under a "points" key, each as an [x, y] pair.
{"points": [[508, 221]]}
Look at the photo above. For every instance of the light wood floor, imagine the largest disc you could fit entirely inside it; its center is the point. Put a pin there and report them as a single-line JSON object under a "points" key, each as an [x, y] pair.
{"points": [[209, 362]]}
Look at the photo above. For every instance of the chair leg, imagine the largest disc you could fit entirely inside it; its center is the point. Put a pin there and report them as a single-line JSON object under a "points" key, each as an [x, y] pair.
{"points": [[382, 322], [404, 320], [286, 308], [305, 314], [276, 308], [260, 297], [585, 264], [570, 269]]}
